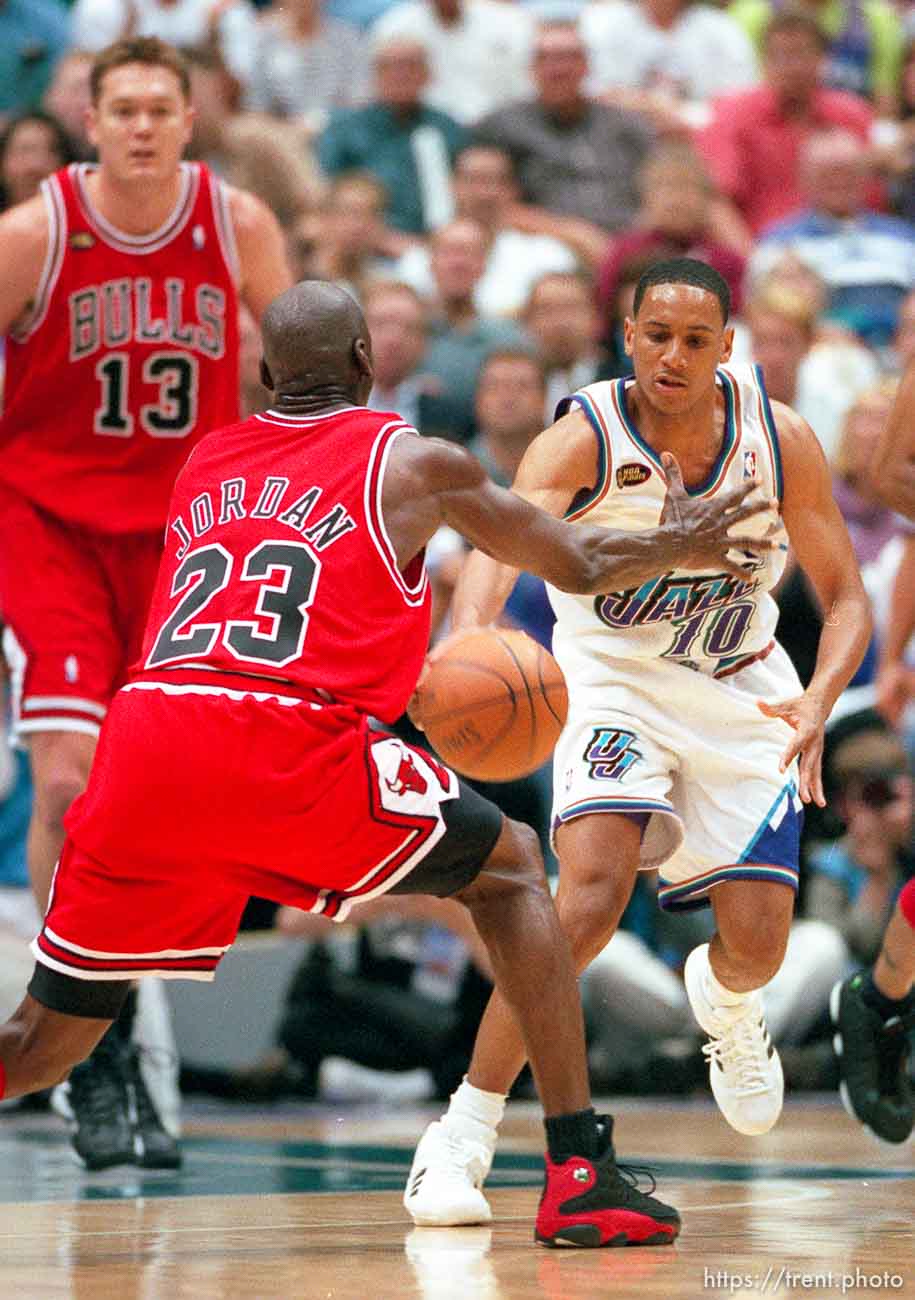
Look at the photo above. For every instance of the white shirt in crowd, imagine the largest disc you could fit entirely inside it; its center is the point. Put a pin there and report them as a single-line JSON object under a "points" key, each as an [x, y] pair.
{"points": [[478, 63], [515, 263], [96, 23], [704, 53]]}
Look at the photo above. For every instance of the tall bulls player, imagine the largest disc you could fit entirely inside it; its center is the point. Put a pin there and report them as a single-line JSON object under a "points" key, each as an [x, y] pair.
{"points": [[119, 289], [291, 604]]}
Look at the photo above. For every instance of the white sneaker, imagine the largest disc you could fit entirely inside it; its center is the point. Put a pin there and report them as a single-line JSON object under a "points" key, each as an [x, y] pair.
{"points": [[444, 1187], [744, 1067]]}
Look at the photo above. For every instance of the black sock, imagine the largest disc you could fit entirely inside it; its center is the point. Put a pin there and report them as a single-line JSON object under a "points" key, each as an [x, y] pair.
{"points": [[572, 1135], [879, 1002]]}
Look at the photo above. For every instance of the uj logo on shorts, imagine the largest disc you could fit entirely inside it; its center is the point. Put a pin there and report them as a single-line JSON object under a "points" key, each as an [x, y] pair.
{"points": [[610, 753]]}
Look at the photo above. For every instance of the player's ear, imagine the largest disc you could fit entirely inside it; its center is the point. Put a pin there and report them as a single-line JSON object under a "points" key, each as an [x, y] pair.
{"points": [[727, 343], [92, 124], [266, 377], [629, 335], [363, 358]]}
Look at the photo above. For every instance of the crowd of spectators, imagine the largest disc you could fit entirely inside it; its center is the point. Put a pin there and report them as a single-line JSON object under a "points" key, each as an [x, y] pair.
{"points": [[489, 178]]}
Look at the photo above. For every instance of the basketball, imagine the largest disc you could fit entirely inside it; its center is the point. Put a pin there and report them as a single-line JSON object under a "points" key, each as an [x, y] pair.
{"points": [[493, 704]]}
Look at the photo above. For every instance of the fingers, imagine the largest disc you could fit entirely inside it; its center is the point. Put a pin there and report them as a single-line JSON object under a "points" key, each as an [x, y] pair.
{"points": [[810, 779], [752, 544], [735, 496], [674, 477], [753, 505]]}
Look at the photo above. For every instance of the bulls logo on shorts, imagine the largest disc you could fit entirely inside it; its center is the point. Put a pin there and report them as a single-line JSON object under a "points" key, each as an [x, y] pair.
{"points": [[408, 780]]}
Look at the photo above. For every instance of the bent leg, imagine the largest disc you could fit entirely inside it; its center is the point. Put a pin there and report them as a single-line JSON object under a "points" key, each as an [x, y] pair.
{"points": [[61, 761], [599, 857], [39, 1046], [753, 919]]}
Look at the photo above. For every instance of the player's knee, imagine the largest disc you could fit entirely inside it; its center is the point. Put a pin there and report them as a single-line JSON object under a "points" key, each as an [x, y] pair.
{"points": [[590, 910], [515, 863], [55, 790], [757, 944]]}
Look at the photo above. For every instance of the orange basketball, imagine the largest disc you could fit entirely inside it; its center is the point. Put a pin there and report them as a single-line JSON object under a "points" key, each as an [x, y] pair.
{"points": [[493, 704]]}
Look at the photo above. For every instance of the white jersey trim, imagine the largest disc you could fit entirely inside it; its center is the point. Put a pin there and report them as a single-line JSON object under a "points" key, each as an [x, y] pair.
{"points": [[225, 230], [169, 688], [282, 417], [34, 703], [380, 452], [173, 225], [216, 950], [165, 973], [53, 262]]}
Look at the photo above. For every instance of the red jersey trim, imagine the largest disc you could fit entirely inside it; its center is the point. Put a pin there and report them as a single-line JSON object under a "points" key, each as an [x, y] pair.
{"points": [[139, 245], [225, 231], [374, 481], [53, 262]]}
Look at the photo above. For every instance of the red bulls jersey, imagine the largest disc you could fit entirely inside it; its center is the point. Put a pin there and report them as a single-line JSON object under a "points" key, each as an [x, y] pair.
{"points": [[129, 353], [277, 562]]}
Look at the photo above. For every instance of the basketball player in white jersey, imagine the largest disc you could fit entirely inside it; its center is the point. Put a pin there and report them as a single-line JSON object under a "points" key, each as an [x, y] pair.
{"points": [[690, 745]]}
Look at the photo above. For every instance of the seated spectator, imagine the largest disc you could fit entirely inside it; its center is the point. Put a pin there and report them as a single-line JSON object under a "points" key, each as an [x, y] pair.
{"points": [[867, 260], [396, 317], [250, 150], [864, 43], [228, 28], [564, 323], [484, 191], [479, 51], [68, 98], [306, 65], [459, 337], [820, 377], [351, 232], [575, 160], [871, 524], [673, 221], [678, 56], [34, 35], [409, 147], [854, 882], [32, 146], [752, 144]]}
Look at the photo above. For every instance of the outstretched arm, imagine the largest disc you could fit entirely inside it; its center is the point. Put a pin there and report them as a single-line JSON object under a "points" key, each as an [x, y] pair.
{"points": [[892, 469], [824, 551], [430, 482]]}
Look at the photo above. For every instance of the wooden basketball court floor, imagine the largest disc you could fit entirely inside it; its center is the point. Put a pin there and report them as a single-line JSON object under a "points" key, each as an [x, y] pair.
{"points": [[305, 1202]]}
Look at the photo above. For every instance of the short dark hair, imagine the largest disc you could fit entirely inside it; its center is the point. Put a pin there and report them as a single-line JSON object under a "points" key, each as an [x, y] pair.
{"points": [[514, 352], [794, 17], [684, 270], [138, 49]]}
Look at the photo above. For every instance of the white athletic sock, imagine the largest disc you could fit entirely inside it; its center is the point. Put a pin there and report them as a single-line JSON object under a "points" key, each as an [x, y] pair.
{"points": [[473, 1112], [717, 993]]}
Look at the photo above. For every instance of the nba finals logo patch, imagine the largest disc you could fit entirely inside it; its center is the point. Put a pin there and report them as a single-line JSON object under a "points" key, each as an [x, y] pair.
{"points": [[749, 464], [632, 475], [81, 240]]}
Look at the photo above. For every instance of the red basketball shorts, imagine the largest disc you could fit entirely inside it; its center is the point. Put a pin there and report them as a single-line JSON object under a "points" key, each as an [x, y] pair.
{"points": [[74, 605], [202, 795]]}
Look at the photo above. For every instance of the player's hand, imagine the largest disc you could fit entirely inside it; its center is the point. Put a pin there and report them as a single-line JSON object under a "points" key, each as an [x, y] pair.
{"points": [[701, 525], [807, 716], [895, 686], [415, 702]]}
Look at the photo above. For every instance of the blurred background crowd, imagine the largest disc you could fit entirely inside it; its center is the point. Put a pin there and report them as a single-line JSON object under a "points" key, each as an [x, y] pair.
{"points": [[490, 178]]}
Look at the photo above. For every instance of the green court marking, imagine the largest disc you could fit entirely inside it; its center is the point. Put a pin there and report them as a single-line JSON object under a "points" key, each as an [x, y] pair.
{"points": [[36, 1165]]}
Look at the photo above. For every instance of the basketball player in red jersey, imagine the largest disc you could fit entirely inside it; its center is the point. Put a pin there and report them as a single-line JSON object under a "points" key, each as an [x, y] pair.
{"points": [[291, 604], [119, 288]]}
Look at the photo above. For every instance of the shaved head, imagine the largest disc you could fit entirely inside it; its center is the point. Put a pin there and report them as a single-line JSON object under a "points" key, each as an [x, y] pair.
{"points": [[316, 341]]}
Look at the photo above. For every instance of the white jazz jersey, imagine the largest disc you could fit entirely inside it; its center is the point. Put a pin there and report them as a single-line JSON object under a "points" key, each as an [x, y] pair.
{"points": [[664, 678], [708, 620]]}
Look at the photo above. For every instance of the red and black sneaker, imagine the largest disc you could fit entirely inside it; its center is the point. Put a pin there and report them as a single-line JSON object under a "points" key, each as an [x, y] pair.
{"points": [[593, 1203]]}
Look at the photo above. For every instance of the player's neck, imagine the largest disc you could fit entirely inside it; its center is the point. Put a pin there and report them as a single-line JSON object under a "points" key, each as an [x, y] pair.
{"points": [[694, 437], [136, 209]]}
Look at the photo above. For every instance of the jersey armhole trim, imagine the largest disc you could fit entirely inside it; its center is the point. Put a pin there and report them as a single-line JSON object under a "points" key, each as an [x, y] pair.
{"points": [[225, 231], [771, 432], [374, 483], [53, 262], [604, 458]]}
